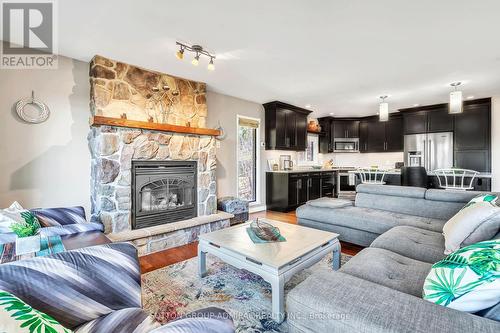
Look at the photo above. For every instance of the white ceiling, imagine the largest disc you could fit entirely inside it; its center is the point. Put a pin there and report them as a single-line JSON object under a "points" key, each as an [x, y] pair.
{"points": [[338, 56]]}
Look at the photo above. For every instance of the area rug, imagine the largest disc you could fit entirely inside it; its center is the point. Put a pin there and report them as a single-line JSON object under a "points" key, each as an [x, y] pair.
{"points": [[175, 290]]}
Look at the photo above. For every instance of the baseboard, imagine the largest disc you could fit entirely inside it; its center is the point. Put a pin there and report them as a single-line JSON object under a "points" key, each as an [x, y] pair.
{"points": [[257, 208]]}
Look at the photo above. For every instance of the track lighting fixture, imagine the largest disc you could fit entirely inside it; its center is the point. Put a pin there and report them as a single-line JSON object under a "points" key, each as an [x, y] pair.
{"points": [[197, 50], [211, 66]]}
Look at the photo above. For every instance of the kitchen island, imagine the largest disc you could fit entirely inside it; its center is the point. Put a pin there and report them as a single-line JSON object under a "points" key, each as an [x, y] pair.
{"points": [[288, 189]]}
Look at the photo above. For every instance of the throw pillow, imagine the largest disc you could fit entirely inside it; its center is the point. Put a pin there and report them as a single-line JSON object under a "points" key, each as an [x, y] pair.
{"points": [[468, 279], [479, 220], [10, 215], [17, 316]]}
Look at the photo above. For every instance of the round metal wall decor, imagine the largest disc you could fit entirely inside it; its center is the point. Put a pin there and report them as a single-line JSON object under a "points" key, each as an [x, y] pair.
{"points": [[40, 114]]}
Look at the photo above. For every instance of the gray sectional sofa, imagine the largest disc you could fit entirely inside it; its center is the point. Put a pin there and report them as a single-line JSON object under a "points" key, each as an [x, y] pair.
{"points": [[378, 208], [380, 289]]}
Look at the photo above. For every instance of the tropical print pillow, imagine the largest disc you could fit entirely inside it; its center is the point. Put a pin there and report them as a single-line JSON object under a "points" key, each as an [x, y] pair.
{"points": [[17, 316], [468, 279], [491, 198]]}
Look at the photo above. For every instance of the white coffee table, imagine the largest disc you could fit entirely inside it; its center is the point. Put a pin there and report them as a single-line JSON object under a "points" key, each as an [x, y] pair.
{"points": [[275, 262]]}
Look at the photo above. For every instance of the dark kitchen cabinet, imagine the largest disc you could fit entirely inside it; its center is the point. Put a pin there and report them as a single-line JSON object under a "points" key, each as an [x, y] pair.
{"points": [[472, 137], [439, 120], [377, 136], [363, 136], [415, 123], [287, 191], [346, 128], [472, 128], [427, 119], [326, 137], [314, 186], [286, 126], [394, 139]]}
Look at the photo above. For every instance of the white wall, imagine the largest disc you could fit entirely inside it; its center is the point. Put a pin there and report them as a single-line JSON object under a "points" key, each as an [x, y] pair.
{"points": [[495, 143], [48, 164]]}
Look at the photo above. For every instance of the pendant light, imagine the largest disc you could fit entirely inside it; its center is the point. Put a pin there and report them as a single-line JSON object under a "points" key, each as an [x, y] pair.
{"points": [[456, 99], [383, 112]]}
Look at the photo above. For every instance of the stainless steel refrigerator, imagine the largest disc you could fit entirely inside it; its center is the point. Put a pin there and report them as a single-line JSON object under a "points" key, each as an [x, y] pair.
{"points": [[432, 150]]}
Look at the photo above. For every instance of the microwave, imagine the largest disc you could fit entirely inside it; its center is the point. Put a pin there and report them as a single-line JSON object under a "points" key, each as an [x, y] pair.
{"points": [[343, 145]]}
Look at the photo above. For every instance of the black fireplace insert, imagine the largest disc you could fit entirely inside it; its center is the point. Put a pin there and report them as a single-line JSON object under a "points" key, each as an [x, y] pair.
{"points": [[163, 192]]}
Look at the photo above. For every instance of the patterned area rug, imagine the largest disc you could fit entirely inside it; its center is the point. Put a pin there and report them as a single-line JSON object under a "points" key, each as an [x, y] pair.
{"points": [[175, 290]]}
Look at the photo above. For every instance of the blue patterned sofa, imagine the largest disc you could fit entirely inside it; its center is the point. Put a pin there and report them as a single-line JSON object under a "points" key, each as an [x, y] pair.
{"points": [[57, 221], [97, 289]]}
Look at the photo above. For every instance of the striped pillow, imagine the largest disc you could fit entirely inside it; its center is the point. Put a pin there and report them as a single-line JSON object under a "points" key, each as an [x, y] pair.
{"points": [[51, 217]]}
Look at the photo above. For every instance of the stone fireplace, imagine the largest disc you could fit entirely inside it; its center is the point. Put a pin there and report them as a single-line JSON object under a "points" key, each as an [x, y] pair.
{"points": [[132, 193]]}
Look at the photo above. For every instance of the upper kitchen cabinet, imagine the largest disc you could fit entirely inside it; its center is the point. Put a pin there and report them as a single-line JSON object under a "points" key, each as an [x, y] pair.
{"points": [[345, 128], [472, 127], [427, 119], [286, 126], [415, 123], [394, 139], [472, 136], [377, 136], [326, 138]]}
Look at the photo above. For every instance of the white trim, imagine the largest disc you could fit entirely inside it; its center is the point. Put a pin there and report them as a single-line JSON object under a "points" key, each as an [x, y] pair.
{"points": [[256, 207], [257, 152]]}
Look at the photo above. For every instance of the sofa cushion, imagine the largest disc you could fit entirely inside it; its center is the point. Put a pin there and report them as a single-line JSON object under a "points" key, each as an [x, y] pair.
{"points": [[389, 269], [476, 222], [462, 197], [414, 243], [367, 219], [407, 205], [133, 320], [392, 190], [329, 301], [50, 217], [326, 202]]}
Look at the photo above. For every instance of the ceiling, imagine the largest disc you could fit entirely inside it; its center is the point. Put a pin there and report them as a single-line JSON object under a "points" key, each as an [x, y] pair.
{"points": [[338, 56]]}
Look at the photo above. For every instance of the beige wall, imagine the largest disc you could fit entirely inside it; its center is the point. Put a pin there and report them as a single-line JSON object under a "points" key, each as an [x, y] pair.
{"points": [[46, 164], [495, 143], [225, 109]]}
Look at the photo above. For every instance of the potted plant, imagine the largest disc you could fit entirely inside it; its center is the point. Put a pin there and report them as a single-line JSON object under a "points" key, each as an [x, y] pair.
{"points": [[28, 237]]}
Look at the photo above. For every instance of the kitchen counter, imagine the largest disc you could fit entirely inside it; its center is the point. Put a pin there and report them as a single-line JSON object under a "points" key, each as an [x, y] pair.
{"points": [[398, 172], [305, 170]]}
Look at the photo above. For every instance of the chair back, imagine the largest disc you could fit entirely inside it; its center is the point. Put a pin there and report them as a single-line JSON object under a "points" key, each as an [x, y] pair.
{"points": [[371, 176], [456, 179]]}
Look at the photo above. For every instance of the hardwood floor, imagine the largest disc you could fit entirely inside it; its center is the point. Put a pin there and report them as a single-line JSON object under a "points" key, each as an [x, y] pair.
{"points": [[168, 257]]}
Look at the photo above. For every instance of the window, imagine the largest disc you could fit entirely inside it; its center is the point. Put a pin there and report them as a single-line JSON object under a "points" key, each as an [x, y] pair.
{"points": [[248, 156], [310, 156]]}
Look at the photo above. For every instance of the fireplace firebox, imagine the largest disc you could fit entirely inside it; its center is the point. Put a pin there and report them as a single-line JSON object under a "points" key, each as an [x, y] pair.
{"points": [[163, 192]]}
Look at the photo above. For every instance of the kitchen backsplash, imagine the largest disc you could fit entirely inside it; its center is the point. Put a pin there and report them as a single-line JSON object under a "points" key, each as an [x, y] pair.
{"points": [[364, 160]]}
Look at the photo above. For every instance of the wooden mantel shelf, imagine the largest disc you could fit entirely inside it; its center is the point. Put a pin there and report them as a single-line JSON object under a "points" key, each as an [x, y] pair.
{"points": [[106, 121]]}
